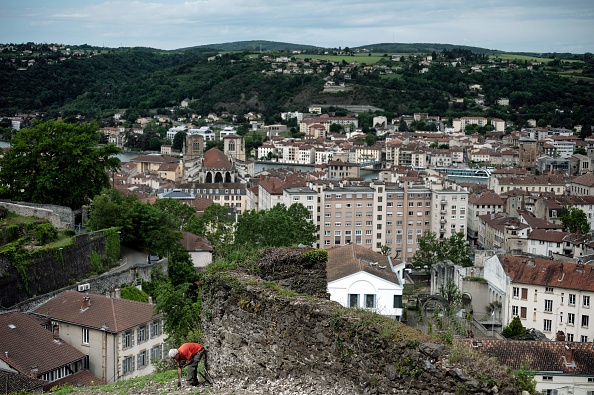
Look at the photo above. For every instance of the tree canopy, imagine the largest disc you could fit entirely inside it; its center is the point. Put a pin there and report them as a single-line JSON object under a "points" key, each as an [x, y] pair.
{"points": [[278, 227], [575, 220], [57, 163], [432, 251]]}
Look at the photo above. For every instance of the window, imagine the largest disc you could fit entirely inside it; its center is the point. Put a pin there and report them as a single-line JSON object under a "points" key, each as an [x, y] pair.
{"points": [[337, 233], [326, 233], [571, 299], [548, 305], [370, 301], [127, 340], [523, 312], [353, 300], [127, 365], [524, 293], [516, 292], [570, 319], [397, 301], [586, 301], [156, 353], [585, 320], [547, 325], [549, 290], [547, 378], [85, 335], [514, 311], [549, 392], [142, 359], [142, 334], [569, 337], [584, 339]]}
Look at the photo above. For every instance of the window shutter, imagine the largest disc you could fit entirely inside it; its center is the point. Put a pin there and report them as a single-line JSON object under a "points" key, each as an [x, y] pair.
{"points": [[132, 338]]}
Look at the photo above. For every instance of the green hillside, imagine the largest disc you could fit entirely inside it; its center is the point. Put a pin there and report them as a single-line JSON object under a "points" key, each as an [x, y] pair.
{"points": [[255, 46]]}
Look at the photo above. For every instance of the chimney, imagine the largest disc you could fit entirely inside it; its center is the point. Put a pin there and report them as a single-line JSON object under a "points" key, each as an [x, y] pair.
{"points": [[569, 354], [85, 303], [34, 371], [56, 331], [6, 354], [150, 300], [118, 293]]}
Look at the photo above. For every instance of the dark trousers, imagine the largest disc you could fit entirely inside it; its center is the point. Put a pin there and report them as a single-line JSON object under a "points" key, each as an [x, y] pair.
{"points": [[193, 367]]}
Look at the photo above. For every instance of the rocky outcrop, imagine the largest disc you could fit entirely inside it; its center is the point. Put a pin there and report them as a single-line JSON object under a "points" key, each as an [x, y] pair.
{"points": [[257, 329]]}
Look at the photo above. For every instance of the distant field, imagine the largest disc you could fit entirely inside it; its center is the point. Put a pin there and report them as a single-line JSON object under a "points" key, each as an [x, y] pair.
{"points": [[511, 56], [360, 58]]}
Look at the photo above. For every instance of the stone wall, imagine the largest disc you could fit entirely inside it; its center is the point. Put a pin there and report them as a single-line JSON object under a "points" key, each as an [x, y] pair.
{"points": [[59, 216], [255, 328], [101, 284], [49, 269]]}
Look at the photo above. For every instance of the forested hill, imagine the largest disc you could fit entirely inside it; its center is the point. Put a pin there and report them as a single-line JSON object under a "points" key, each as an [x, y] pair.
{"points": [[256, 45], [97, 82]]}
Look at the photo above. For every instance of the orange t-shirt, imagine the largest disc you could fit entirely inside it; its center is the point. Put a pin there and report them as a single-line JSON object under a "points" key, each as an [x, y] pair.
{"points": [[187, 350]]}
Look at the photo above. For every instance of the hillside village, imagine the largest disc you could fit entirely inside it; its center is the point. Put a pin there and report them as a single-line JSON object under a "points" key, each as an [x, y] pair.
{"points": [[504, 189]]}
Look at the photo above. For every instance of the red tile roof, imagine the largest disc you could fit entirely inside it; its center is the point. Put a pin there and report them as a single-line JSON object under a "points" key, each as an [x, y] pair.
{"points": [[214, 158], [19, 383], [117, 314], [154, 159], [586, 180], [542, 356], [549, 273], [28, 344], [84, 378], [548, 235]]}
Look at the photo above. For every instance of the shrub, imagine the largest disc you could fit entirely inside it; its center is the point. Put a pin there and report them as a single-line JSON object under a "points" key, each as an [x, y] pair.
{"points": [[45, 233], [133, 293]]}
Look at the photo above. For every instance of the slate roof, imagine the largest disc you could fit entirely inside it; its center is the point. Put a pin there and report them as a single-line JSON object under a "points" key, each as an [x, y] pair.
{"points": [[19, 383], [543, 356], [117, 314], [28, 344], [214, 158], [549, 273], [352, 258]]}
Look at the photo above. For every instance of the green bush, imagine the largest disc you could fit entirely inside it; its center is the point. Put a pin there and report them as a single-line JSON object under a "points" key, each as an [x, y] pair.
{"points": [[12, 233], [133, 293], [45, 233]]}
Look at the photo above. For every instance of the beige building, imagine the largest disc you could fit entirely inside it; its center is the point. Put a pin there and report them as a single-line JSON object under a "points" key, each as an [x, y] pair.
{"points": [[120, 336], [544, 183], [483, 204]]}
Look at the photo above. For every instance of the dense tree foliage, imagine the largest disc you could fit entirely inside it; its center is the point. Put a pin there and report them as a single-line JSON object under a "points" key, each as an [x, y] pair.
{"points": [[514, 330], [277, 227], [432, 251], [57, 163], [141, 79], [575, 220]]}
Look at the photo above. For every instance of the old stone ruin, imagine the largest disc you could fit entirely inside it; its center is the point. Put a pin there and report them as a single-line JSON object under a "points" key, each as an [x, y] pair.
{"points": [[274, 322]]}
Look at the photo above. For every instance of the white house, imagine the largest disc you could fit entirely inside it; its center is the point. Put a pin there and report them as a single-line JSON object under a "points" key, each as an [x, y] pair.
{"points": [[551, 296], [361, 278]]}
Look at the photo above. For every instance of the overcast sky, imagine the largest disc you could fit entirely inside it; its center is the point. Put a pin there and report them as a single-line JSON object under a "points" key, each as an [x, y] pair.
{"points": [[508, 25]]}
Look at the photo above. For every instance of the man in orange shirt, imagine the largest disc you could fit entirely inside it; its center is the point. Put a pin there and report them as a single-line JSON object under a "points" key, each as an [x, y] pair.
{"points": [[192, 353]]}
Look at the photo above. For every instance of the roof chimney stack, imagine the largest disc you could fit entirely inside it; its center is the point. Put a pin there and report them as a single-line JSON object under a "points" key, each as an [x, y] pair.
{"points": [[85, 303], [56, 331], [569, 350]]}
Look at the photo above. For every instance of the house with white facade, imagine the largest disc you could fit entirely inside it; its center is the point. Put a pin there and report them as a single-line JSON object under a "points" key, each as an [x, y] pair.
{"points": [[360, 278], [551, 296], [559, 367], [119, 336]]}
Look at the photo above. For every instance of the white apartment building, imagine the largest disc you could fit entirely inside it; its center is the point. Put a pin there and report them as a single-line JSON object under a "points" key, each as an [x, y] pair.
{"points": [[449, 205], [551, 296]]}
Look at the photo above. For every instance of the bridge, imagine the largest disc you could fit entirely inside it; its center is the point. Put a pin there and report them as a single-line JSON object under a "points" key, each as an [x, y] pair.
{"points": [[373, 163], [470, 173]]}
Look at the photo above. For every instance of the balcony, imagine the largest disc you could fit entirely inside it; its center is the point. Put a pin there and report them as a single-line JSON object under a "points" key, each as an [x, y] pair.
{"points": [[444, 201], [443, 221], [443, 212]]}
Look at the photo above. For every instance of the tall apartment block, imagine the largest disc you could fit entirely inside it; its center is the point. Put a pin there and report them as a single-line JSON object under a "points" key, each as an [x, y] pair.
{"points": [[380, 214]]}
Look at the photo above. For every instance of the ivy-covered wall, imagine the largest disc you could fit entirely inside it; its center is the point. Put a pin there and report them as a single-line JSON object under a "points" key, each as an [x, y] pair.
{"points": [[26, 273]]}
